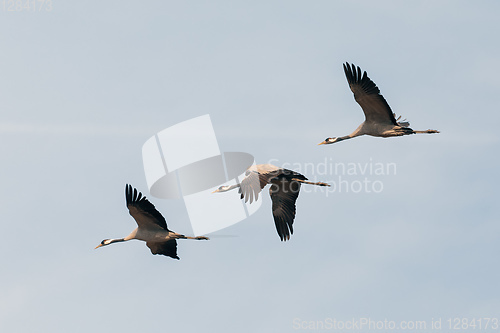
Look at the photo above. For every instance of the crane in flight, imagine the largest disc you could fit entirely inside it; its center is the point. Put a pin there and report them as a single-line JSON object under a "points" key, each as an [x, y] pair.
{"points": [[151, 226], [284, 190], [379, 119]]}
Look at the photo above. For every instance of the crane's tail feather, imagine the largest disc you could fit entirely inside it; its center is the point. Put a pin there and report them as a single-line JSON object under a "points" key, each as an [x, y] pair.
{"points": [[405, 123], [402, 123]]}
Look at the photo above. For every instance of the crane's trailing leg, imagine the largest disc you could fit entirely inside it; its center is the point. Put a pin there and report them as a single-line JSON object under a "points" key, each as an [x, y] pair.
{"points": [[187, 237], [311, 183], [399, 131], [429, 131]]}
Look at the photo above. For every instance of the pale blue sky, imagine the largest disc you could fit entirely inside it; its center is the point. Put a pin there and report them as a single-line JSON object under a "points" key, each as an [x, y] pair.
{"points": [[85, 85]]}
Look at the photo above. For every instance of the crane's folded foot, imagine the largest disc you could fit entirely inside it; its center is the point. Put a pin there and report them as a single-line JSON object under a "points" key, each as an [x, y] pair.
{"points": [[202, 237]]}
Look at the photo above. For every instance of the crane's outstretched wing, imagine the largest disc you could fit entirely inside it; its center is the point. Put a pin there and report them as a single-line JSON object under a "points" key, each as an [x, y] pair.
{"points": [[368, 96], [168, 248], [284, 193], [251, 185], [257, 177], [143, 211]]}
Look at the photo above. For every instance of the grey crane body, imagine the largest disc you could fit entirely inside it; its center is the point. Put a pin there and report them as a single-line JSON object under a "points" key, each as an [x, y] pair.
{"points": [[379, 121], [151, 226], [152, 235], [284, 190]]}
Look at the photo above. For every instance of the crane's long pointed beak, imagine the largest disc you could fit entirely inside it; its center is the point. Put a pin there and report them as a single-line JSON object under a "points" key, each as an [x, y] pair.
{"points": [[98, 246], [321, 143], [215, 191]]}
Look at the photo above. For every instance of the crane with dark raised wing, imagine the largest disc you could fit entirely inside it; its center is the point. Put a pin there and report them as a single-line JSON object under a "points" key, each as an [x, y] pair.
{"points": [[284, 190], [379, 119], [151, 226]]}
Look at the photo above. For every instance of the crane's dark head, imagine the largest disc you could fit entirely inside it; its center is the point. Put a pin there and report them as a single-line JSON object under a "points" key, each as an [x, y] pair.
{"points": [[104, 243], [329, 141]]}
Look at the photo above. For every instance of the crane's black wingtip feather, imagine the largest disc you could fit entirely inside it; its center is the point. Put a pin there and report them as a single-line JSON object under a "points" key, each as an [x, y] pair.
{"points": [[170, 255], [167, 255], [368, 87], [128, 193], [132, 195], [351, 73]]}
